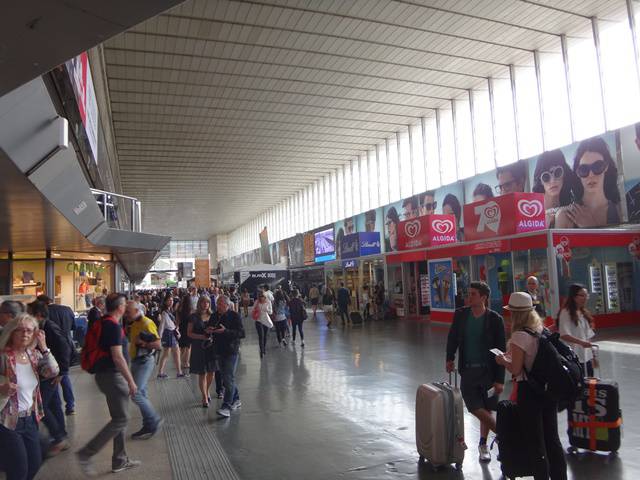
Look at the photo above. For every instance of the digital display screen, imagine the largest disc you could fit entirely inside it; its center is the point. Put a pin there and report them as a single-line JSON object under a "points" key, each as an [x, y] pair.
{"points": [[325, 246]]}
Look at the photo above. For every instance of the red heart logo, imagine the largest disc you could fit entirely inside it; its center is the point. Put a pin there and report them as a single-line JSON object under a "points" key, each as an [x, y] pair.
{"points": [[491, 212], [530, 208], [412, 228], [442, 226]]}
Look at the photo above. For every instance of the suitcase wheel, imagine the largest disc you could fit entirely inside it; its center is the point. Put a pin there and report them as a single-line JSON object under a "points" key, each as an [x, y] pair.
{"points": [[572, 451], [458, 466]]}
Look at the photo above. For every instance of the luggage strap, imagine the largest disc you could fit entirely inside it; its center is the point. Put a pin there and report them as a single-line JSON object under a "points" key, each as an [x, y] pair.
{"points": [[592, 424]]}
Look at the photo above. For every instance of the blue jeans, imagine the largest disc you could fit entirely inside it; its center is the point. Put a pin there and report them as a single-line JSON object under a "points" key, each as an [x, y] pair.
{"points": [[53, 414], [227, 365], [20, 453], [141, 370], [67, 393]]}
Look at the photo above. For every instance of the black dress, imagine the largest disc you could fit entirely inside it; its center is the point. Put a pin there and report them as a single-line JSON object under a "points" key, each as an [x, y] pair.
{"points": [[202, 359], [185, 340]]}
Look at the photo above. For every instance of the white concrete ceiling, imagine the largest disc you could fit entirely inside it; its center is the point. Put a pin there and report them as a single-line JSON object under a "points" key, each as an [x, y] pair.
{"points": [[222, 109]]}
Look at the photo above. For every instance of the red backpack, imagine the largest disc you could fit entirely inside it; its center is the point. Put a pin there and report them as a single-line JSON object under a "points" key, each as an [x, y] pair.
{"points": [[91, 351]]}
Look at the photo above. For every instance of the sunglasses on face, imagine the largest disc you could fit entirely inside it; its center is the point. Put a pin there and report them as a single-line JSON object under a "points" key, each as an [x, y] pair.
{"points": [[505, 186], [597, 167], [554, 173], [430, 206]]}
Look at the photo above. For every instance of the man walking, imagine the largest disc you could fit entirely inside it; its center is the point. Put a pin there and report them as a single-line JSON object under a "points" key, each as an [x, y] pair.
{"points": [[474, 332], [143, 343], [51, 401], [116, 383], [344, 299], [227, 335], [66, 320]]}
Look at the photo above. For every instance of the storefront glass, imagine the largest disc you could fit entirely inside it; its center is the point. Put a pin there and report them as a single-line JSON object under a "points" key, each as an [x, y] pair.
{"points": [[461, 268], [29, 277], [395, 289], [77, 283], [496, 270], [528, 263], [610, 275]]}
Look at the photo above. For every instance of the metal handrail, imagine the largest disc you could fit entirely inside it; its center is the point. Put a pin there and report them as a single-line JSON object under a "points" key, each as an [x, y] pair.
{"points": [[109, 206]]}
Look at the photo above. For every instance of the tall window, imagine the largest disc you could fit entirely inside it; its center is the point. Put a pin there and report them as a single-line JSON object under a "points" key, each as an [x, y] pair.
{"points": [[394, 167], [447, 147], [348, 181], [355, 182], [383, 173], [505, 126], [406, 183], [341, 199], [485, 160], [334, 197], [464, 139], [529, 131], [432, 152], [555, 101], [372, 166], [364, 182], [417, 159]]}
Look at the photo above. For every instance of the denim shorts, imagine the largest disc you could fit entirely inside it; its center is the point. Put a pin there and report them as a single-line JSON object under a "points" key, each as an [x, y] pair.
{"points": [[169, 339]]}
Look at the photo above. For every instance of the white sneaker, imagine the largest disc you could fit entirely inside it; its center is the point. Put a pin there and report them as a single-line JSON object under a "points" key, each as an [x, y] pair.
{"points": [[86, 466], [224, 412], [484, 453], [236, 405], [129, 464]]}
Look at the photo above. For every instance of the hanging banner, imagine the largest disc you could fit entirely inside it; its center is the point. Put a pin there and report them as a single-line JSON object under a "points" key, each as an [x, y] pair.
{"points": [[80, 75], [202, 278]]}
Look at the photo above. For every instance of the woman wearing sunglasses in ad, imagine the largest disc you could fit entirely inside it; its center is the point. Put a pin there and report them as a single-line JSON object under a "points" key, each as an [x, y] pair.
{"points": [[597, 197], [556, 180]]}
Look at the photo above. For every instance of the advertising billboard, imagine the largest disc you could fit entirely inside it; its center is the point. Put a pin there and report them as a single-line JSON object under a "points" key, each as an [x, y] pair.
{"points": [[325, 246]]}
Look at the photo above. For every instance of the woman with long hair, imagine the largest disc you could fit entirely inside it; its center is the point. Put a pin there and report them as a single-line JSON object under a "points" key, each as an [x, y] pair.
{"points": [[245, 299], [24, 359], [391, 221], [538, 415], [169, 335], [203, 360], [557, 181], [575, 324], [597, 198], [261, 314], [185, 309], [280, 312]]}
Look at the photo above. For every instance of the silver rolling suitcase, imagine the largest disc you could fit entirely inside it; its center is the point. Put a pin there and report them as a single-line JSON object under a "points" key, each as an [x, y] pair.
{"points": [[440, 423]]}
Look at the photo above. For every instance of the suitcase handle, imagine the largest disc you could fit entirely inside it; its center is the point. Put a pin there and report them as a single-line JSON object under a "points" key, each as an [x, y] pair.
{"points": [[596, 356], [455, 376]]}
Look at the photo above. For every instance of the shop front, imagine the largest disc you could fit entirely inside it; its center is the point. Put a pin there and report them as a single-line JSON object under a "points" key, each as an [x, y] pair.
{"points": [[70, 278]]}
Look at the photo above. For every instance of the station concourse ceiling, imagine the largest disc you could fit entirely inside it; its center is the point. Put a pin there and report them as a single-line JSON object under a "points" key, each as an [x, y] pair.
{"points": [[222, 109]]}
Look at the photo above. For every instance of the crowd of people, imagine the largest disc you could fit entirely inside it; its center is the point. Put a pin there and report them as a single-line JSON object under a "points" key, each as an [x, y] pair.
{"points": [[130, 339]]}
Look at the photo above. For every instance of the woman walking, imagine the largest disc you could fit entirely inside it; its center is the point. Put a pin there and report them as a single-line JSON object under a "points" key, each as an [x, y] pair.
{"points": [[298, 314], [328, 300], [261, 312], [538, 415], [245, 299], [575, 324], [169, 335], [203, 362], [184, 313], [24, 357], [280, 308]]}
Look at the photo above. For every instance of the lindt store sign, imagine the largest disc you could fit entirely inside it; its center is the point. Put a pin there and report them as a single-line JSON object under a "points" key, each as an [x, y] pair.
{"points": [[426, 231], [504, 215]]}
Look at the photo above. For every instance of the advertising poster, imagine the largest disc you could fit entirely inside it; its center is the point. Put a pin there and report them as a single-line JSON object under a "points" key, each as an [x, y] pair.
{"points": [[441, 285], [296, 250], [275, 253], [446, 200], [265, 252], [370, 221], [309, 249], [342, 228], [630, 150], [579, 183], [80, 75], [393, 215], [202, 278], [480, 187]]}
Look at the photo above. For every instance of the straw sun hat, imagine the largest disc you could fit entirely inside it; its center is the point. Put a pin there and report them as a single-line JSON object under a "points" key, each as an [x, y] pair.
{"points": [[519, 302]]}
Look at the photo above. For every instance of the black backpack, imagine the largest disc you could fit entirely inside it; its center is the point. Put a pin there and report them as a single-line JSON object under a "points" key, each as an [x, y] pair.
{"points": [[556, 371]]}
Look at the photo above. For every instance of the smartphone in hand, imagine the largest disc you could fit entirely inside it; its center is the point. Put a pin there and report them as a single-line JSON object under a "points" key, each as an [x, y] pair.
{"points": [[497, 352]]}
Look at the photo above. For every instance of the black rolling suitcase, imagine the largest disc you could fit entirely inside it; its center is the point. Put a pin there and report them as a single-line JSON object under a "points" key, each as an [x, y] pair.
{"points": [[356, 318], [595, 421], [514, 460]]}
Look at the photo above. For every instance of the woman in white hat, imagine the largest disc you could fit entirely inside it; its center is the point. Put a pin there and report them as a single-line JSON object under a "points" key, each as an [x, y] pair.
{"points": [[538, 416]]}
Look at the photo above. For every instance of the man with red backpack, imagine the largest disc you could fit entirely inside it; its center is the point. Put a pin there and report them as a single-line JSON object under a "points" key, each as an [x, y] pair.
{"points": [[103, 356]]}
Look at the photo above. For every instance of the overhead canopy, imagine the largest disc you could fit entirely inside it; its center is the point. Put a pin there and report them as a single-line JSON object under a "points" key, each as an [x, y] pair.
{"points": [[38, 35], [238, 104]]}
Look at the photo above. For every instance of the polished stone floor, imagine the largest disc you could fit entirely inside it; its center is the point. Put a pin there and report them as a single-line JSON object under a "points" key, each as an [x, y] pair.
{"points": [[341, 408]]}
